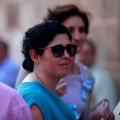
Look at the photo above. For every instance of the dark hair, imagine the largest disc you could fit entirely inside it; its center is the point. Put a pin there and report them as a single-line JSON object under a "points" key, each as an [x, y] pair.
{"points": [[40, 36], [61, 13]]}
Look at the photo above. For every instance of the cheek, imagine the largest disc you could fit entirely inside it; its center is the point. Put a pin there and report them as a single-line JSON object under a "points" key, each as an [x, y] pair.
{"points": [[83, 38], [52, 61], [80, 39], [72, 59], [79, 49], [48, 60], [50, 65]]}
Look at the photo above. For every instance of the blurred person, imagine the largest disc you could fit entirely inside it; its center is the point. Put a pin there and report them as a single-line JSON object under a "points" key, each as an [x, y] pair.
{"points": [[105, 87], [8, 69], [77, 86], [12, 105], [80, 80], [48, 56]]}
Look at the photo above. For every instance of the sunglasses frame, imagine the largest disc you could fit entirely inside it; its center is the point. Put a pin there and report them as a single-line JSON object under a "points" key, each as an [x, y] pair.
{"points": [[67, 48]]}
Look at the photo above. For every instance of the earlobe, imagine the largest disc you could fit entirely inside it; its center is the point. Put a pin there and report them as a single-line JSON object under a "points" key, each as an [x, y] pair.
{"points": [[34, 55]]}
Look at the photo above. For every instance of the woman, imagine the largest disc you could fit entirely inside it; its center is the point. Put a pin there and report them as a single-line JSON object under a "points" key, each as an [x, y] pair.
{"points": [[48, 56], [79, 75], [80, 80]]}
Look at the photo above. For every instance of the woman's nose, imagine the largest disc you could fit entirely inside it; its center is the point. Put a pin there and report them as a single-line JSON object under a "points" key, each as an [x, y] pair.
{"points": [[76, 35], [66, 53]]}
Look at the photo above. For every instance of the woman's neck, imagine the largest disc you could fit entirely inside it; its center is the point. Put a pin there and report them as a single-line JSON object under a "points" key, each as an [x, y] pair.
{"points": [[46, 81], [74, 69]]}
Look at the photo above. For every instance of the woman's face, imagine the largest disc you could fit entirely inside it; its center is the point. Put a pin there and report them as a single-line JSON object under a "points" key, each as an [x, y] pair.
{"points": [[86, 56], [53, 66], [77, 27]]}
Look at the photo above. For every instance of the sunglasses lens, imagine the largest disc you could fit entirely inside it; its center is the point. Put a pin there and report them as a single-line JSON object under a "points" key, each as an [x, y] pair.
{"points": [[57, 50], [71, 49]]}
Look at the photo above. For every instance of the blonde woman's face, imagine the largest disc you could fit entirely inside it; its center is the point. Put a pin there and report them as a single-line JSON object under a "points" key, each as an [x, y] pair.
{"points": [[77, 27]]}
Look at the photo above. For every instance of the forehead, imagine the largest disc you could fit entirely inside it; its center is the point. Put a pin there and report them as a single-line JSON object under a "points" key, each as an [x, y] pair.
{"points": [[74, 21], [60, 39]]}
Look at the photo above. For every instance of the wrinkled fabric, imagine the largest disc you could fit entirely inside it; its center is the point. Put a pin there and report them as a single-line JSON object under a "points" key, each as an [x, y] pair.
{"points": [[87, 85], [12, 105]]}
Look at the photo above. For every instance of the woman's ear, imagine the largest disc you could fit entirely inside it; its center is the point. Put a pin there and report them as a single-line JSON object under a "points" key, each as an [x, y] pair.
{"points": [[34, 55]]}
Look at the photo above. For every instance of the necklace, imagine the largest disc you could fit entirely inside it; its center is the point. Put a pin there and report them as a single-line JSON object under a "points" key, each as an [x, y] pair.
{"points": [[40, 79]]}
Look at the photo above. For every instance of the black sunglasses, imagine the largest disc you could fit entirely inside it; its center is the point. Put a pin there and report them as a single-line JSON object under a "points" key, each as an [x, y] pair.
{"points": [[58, 50]]}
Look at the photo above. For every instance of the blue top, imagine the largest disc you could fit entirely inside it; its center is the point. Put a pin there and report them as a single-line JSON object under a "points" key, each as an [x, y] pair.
{"points": [[51, 106], [8, 72]]}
